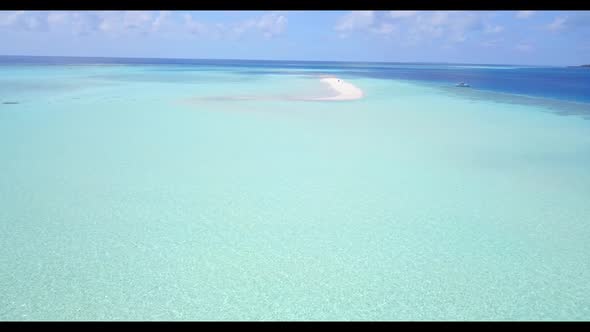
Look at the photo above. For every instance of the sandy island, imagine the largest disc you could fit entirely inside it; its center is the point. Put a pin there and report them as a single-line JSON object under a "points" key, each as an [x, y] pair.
{"points": [[346, 91]]}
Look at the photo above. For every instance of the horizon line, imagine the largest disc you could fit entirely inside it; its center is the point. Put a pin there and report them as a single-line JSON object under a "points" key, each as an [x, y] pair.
{"points": [[275, 60]]}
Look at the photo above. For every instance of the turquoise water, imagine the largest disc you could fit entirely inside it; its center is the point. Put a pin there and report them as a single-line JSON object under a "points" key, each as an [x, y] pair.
{"points": [[134, 193]]}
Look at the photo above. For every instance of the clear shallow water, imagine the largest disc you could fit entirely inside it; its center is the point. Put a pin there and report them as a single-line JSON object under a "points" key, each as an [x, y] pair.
{"points": [[127, 194]]}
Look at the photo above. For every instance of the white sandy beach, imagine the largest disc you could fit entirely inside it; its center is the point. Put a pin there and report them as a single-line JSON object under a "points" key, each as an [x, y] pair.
{"points": [[346, 91]]}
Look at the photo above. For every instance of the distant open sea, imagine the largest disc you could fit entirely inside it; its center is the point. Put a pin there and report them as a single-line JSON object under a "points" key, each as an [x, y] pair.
{"points": [[173, 189]]}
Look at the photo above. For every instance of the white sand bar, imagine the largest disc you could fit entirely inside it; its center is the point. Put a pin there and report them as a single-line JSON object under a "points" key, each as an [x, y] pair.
{"points": [[346, 91]]}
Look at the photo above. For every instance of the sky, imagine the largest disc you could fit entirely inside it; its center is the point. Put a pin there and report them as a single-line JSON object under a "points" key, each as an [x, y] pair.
{"points": [[481, 37]]}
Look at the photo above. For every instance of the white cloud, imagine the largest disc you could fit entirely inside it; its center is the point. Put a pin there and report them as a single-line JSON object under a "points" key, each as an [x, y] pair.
{"points": [[77, 22], [195, 27], [24, 20], [439, 18], [85, 22], [523, 14], [524, 47], [451, 26], [492, 43], [33, 22], [557, 24], [10, 18], [384, 28], [109, 22], [57, 18], [413, 27], [269, 25], [139, 20], [355, 20], [160, 20], [402, 13], [124, 22], [494, 29], [577, 21]]}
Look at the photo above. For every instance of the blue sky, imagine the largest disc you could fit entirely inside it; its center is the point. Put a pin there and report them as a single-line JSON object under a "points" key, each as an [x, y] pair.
{"points": [[503, 37]]}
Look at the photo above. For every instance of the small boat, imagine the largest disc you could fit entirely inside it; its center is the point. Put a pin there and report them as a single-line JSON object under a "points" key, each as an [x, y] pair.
{"points": [[463, 85]]}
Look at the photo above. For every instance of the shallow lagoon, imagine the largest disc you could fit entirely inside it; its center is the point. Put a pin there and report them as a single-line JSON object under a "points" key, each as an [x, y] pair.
{"points": [[126, 194]]}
